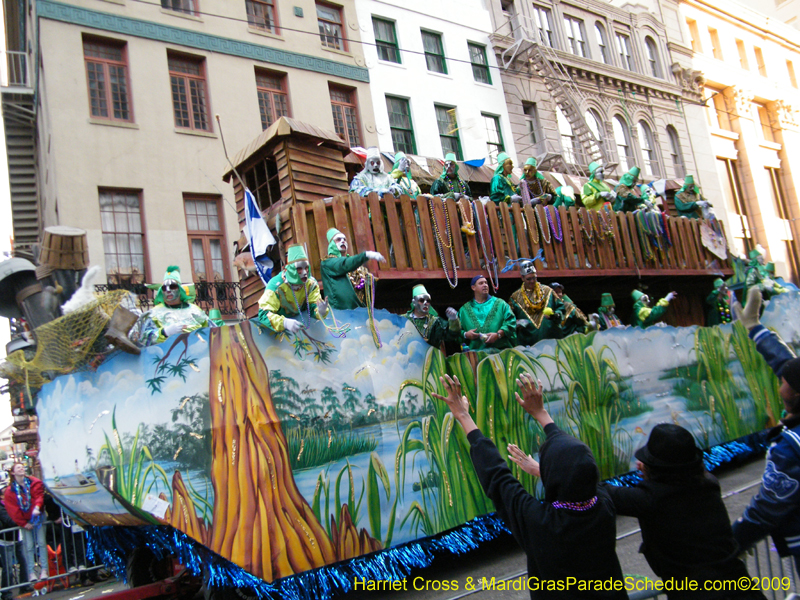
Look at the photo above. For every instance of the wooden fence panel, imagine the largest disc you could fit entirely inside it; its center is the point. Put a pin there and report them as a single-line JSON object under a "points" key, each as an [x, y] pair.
{"points": [[397, 239], [577, 238], [496, 236], [508, 232], [379, 231], [410, 223], [426, 225], [522, 230], [533, 233], [455, 232]]}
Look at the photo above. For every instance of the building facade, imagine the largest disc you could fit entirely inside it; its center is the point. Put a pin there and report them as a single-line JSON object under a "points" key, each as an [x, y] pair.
{"points": [[749, 65], [128, 145], [433, 78]]}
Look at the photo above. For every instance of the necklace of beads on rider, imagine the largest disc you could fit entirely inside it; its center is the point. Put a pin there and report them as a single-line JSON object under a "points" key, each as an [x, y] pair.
{"points": [[469, 222], [560, 235], [440, 243], [537, 303], [455, 185], [299, 309]]}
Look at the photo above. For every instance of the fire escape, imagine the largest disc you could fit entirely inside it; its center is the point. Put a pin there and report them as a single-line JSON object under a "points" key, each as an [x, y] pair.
{"points": [[17, 74], [524, 45]]}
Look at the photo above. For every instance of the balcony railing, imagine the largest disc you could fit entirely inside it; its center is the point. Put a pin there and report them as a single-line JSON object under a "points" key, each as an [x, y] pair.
{"points": [[223, 295], [574, 241], [15, 71]]}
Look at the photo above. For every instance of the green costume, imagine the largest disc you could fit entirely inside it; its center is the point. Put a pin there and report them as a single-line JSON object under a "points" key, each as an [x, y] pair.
{"points": [[447, 186], [489, 317], [280, 301], [719, 305], [686, 199], [592, 189], [432, 327], [644, 316], [407, 184], [565, 195], [759, 274], [536, 307], [153, 322], [344, 277], [608, 318], [531, 189], [574, 321], [628, 196], [502, 188]]}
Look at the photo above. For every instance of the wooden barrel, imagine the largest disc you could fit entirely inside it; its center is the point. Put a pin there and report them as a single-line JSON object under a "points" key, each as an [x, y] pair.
{"points": [[64, 248]]}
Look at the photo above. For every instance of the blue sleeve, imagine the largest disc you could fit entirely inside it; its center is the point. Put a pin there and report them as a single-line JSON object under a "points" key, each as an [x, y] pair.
{"points": [[779, 495], [772, 348]]}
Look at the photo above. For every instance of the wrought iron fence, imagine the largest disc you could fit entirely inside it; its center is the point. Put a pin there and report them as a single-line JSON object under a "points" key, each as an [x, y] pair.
{"points": [[223, 295]]}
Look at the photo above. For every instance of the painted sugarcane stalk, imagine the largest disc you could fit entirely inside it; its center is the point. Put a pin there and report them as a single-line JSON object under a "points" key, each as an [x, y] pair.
{"points": [[261, 521]]}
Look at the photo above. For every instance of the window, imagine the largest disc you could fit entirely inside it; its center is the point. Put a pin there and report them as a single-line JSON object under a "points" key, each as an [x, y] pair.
{"points": [[782, 210], [206, 239], [792, 76], [624, 49], [448, 130], [434, 52], [532, 120], [123, 237], [188, 81], [262, 179], [345, 114], [732, 191], [675, 152], [567, 137], [593, 121], [261, 14], [652, 57], [600, 36], [507, 6], [716, 109], [188, 7], [742, 55], [331, 33], [694, 34], [542, 18], [716, 49], [386, 40], [273, 101], [648, 149], [107, 77], [623, 141], [480, 66], [762, 67], [576, 36], [761, 118], [494, 137], [400, 124]]}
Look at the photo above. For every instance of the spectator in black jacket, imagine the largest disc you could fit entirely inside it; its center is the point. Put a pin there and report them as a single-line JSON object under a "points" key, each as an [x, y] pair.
{"points": [[572, 534], [686, 532]]}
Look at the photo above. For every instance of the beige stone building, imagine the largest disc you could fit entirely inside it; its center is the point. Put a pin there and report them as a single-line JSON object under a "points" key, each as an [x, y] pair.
{"points": [[116, 133], [749, 64]]}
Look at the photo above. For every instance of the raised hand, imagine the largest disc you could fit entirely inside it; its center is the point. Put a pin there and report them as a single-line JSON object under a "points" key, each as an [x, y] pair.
{"points": [[750, 313], [525, 461], [532, 399], [455, 400]]}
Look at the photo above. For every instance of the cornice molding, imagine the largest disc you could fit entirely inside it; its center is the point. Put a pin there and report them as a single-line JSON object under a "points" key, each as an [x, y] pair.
{"points": [[75, 15]]}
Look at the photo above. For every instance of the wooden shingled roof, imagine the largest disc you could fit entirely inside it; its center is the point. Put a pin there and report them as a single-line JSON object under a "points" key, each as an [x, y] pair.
{"points": [[284, 127]]}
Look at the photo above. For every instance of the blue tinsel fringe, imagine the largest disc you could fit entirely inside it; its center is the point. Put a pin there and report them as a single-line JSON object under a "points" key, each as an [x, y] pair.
{"points": [[111, 545]]}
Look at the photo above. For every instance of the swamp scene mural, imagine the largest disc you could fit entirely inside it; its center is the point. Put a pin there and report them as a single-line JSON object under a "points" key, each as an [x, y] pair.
{"points": [[286, 453]]}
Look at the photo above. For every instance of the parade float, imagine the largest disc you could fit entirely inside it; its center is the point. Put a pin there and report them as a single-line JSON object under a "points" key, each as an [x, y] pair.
{"points": [[288, 465]]}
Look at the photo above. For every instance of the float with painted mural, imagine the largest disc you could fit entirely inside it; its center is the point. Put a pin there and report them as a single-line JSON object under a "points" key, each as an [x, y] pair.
{"points": [[286, 453]]}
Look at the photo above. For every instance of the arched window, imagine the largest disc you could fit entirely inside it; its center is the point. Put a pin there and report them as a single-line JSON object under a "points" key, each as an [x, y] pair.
{"points": [[622, 139], [602, 43], [675, 152], [648, 149], [567, 137], [652, 57], [593, 121]]}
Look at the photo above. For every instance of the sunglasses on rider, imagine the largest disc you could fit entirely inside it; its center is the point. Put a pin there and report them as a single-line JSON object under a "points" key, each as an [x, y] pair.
{"points": [[170, 287]]}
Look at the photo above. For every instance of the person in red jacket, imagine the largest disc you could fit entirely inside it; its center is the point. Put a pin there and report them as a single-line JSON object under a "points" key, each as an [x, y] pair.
{"points": [[24, 500]]}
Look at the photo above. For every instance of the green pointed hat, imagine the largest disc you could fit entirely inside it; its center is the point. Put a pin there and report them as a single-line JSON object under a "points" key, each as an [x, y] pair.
{"points": [[630, 177], [397, 158], [501, 159], [593, 166], [718, 283], [173, 273], [607, 300], [449, 157], [418, 290], [754, 253], [333, 249], [688, 180], [294, 255], [637, 295], [531, 161], [332, 233]]}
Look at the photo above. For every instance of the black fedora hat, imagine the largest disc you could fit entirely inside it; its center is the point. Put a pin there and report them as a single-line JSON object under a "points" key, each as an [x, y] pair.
{"points": [[670, 447]]}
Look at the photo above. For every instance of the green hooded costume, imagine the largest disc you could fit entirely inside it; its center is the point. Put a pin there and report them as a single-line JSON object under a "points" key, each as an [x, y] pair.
{"points": [[344, 277], [432, 327], [153, 322], [644, 316], [686, 199], [536, 187], [280, 301], [608, 318], [502, 187], [407, 184], [565, 195], [719, 305], [447, 186], [628, 198], [592, 189], [758, 274]]}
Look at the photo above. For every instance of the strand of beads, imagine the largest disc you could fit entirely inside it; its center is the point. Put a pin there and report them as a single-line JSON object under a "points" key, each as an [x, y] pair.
{"points": [[589, 235], [440, 243], [369, 290], [299, 309], [544, 229], [606, 216], [560, 235], [469, 222], [491, 263]]}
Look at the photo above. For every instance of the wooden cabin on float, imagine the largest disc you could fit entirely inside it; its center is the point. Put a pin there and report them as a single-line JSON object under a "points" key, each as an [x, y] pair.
{"points": [[300, 176]]}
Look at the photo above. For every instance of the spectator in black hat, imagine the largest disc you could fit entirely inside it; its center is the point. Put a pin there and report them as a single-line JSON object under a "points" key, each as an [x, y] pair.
{"points": [[686, 531], [775, 510], [573, 532]]}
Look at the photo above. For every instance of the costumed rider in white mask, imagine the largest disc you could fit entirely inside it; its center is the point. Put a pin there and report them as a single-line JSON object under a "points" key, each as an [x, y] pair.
{"points": [[373, 178], [173, 312]]}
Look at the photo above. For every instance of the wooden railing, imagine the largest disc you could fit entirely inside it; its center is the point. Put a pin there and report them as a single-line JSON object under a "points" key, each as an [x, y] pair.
{"points": [[591, 243]]}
